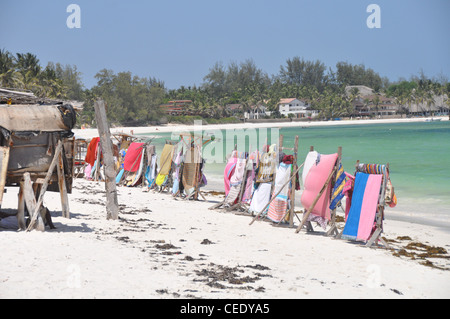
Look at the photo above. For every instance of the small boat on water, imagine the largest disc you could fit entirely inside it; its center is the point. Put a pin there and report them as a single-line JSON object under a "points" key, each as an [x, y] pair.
{"points": [[433, 120]]}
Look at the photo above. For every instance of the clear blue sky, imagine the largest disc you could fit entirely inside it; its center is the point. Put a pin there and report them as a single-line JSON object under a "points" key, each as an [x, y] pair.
{"points": [[178, 41]]}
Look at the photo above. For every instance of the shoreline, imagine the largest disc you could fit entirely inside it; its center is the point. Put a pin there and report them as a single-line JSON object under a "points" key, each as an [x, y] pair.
{"points": [[89, 133]]}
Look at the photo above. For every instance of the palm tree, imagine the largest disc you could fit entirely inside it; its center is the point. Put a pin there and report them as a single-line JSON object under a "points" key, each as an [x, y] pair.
{"points": [[8, 74], [376, 103]]}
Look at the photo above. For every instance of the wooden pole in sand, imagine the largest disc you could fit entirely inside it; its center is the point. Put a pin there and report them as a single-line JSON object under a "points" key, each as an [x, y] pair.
{"points": [[305, 217], [112, 205]]}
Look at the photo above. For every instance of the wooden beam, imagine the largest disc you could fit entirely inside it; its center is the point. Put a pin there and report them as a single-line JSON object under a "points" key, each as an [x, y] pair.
{"points": [[3, 170], [294, 181], [30, 201], [112, 205], [273, 197], [62, 187], [305, 217], [34, 214], [21, 209]]}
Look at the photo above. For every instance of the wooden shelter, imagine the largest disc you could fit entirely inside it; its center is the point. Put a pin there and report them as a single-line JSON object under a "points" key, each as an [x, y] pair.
{"points": [[34, 140]]}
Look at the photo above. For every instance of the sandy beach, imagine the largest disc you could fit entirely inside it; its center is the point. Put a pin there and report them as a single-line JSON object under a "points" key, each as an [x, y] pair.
{"points": [[169, 248]]}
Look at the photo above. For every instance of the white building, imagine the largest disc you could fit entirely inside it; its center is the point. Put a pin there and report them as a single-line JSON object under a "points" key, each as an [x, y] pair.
{"points": [[296, 107], [256, 112]]}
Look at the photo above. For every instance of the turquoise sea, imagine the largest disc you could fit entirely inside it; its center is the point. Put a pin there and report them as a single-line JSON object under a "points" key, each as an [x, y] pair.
{"points": [[418, 155]]}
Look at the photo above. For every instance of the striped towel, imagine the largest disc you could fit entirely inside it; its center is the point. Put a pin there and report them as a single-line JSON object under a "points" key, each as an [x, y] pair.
{"points": [[362, 213], [338, 191], [278, 206]]}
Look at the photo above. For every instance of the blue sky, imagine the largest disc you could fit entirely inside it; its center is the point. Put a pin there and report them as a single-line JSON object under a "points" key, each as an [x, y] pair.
{"points": [[178, 41]]}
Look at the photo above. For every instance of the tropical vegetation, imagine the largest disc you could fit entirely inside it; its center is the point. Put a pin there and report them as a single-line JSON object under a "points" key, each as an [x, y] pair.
{"points": [[134, 100]]}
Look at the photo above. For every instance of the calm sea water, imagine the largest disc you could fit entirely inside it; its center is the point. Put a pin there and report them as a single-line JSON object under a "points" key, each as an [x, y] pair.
{"points": [[418, 155]]}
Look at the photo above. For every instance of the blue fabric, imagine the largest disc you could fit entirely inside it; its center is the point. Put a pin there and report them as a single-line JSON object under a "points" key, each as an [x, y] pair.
{"points": [[337, 194], [119, 176], [352, 224]]}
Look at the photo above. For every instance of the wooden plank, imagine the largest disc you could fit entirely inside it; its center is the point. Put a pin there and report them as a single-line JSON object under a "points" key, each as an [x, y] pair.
{"points": [[62, 188], [316, 200], [55, 160], [273, 197], [294, 181], [30, 201], [333, 230], [21, 209], [3, 170], [112, 205]]}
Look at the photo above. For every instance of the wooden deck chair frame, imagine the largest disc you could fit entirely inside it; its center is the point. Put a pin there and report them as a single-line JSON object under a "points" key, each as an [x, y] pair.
{"points": [[192, 140], [379, 215], [178, 193], [239, 205], [271, 189], [309, 228], [220, 204], [153, 185], [291, 212], [27, 195], [169, 183], [292, 179]]}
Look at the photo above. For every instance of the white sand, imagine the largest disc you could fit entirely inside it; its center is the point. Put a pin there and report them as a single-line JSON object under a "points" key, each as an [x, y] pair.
{"points": [[91, 257]]}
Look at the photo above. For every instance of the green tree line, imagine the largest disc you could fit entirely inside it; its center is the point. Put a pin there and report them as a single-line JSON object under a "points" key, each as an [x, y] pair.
{"points": [[133, 100]]}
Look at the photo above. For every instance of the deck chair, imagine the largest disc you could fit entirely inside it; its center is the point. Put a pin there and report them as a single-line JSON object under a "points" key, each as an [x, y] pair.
{"points": [[150, 172], [264, 182], [246, 189], [177, 173], [366, 214], [192, 173], [237, 183], [279, 203], [165, 165], [132, 165], [229, 171], [318, 172]]}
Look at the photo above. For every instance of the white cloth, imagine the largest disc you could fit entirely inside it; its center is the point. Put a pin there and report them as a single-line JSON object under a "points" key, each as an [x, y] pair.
{"points": [[310, 160], [261, 197]]}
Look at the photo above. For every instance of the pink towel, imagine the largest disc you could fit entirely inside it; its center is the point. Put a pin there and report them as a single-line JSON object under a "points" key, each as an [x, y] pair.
{"points": [[369, 206], [316, 178]]}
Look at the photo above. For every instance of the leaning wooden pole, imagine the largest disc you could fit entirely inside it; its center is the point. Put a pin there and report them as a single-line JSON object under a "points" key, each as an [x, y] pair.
{"points": [[278, 193], [35, 213], [305, 217], [112, 205]]}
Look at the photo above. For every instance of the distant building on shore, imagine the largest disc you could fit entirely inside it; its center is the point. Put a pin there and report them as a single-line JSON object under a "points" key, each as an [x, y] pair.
{"points": [[177, 107], [256, 112], [298, 108]]}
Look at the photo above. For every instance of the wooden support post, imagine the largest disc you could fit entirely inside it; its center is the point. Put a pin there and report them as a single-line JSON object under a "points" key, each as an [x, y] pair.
{"points": [[30, 200], [62, 187], [333, 230], [34, 214], [4, 153], [273, 197], [316, 200], [3, 170], [294, 181], [21, 209], [112, 205]]}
